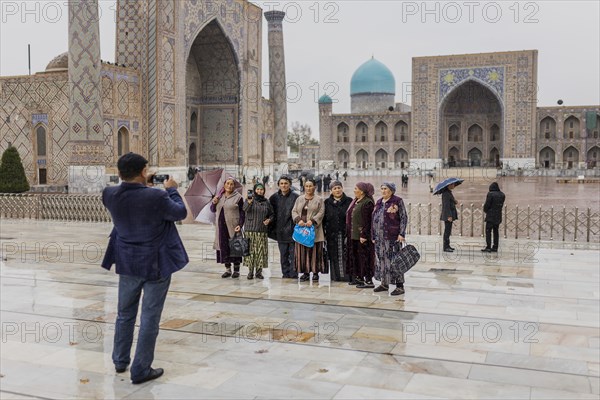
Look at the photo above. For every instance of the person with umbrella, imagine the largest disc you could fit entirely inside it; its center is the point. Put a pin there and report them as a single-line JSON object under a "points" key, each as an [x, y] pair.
{"points": [[259, 213], [493, 217], [449, 213], [361, 252], [229, 209], [389, 229]]}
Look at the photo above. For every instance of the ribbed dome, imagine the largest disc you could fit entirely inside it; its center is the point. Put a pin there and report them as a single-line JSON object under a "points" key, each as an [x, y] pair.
{"points": [[59, 63], [373, 77], [325, 99]]}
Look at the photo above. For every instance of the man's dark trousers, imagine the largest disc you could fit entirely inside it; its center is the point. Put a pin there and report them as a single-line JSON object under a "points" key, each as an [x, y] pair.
{"points": [[286, 257], [489, 228], [447, 233], [130, 290]]}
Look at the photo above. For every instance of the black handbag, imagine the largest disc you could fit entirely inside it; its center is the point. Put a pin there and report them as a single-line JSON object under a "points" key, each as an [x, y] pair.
{"points": [[404, 260], [239, 246]]}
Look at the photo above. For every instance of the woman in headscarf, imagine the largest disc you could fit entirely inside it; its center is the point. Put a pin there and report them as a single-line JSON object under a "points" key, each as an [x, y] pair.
{"points": [[229, 207], [334, 226], [389, 229], [361, 252], [309, 210], [259, 214]]}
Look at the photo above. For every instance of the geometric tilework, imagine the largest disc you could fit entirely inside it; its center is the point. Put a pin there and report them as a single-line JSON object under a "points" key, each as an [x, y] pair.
{"points": [[152, 99], [492, 77], [84, 79], [167, 67], [123, 97], [168, 148], [107, 95], [41, 93]]}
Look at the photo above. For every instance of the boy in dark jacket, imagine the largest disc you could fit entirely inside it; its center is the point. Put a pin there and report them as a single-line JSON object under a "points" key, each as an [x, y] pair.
{"points": [[493, 217]]}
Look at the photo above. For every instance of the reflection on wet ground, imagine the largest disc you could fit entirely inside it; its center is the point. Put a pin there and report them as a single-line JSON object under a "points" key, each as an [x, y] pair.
{"points": [[471, 324]]}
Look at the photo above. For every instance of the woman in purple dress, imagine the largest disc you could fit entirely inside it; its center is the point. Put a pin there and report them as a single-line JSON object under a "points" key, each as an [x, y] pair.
{"points": [[389, 229], [230, 219]]}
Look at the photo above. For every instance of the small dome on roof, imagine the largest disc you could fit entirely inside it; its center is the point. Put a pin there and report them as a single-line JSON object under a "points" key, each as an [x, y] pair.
{"points": [[59, 63], [325, 99]]}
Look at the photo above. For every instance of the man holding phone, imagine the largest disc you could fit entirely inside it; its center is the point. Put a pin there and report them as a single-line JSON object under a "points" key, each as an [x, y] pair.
{"points": [[146, 249]]}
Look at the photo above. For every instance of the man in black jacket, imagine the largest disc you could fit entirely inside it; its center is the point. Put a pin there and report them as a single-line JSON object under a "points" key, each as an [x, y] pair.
{"points": [[282, 228], [449, 215], [493, 217]]}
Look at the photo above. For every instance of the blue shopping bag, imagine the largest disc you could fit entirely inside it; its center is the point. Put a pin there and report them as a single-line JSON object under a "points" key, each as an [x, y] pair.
{"points": [[305, 235]]}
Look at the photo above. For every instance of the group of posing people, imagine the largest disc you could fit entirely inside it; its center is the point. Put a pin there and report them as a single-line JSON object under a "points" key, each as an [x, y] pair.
{"points": [[361, 237], [356, 239]]}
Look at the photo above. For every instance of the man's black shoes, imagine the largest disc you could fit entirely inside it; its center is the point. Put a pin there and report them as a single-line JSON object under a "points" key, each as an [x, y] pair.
{"points": [[154, 373]]}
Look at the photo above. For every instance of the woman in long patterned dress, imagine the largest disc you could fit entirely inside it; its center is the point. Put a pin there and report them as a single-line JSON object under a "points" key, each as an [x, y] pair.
{"points": [[389, 229], [230, 219], [361, 252], [309, 210], [334, 227], [259, 214]]}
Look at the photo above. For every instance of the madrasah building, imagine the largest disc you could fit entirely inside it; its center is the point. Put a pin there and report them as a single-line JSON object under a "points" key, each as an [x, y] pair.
{"points": [[471, 110], [185, 91]]}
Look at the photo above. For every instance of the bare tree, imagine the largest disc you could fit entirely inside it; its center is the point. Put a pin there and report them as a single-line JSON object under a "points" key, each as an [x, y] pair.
{"points": [[300, 135]]}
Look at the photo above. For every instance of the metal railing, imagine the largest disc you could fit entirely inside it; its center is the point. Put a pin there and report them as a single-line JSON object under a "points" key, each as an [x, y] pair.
{"points": [[534, 223], [56, 207]]}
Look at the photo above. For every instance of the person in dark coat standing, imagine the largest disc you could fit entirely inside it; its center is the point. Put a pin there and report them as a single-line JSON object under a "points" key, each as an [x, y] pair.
{"points": [[319, 183], [493, 217], [146, 249], [361, 251], [334, 225], [449, 215], [281, 228], [326, 183]]}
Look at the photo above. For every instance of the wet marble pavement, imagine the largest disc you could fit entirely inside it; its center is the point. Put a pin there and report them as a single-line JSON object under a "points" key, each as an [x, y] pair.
{"points": [[522, 324]]}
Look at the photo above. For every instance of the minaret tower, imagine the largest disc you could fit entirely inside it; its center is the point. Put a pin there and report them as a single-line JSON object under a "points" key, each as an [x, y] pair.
{"points": [[277, 83], [86, 141]]}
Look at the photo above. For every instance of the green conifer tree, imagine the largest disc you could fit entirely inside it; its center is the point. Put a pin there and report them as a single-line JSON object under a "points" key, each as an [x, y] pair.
{"points": [[12, 173]]}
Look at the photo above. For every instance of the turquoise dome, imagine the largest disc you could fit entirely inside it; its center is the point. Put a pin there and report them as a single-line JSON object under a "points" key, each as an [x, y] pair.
{"points": [[373, 77], [325, 99]]}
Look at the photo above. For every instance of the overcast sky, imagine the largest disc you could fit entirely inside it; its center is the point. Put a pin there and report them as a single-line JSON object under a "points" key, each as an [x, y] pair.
{"points": [[326, 41]]}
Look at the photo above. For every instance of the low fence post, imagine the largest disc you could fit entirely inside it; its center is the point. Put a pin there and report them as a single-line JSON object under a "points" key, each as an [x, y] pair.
{"points": [[429, 219], [540, 224], [409, 230], [589, 217], [517, 223], [472, 219], [462, 218], [419, 218], [564, 219], [552, 223], [576, 220], [528, 220]]}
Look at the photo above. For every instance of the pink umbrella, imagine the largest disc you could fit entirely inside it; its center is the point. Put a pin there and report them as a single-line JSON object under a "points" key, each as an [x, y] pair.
{"points": [[204, 187]]}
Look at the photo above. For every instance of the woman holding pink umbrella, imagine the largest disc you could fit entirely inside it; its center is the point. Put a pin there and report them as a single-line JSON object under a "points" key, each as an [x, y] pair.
{"points": [[229, 209]]}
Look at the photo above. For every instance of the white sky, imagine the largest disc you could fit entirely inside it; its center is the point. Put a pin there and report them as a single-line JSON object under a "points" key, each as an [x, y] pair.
{"points": [[326, 42]]}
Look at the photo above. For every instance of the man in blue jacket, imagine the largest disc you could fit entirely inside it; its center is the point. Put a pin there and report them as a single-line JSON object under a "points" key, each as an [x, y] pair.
{"points": [[146, 249]]}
